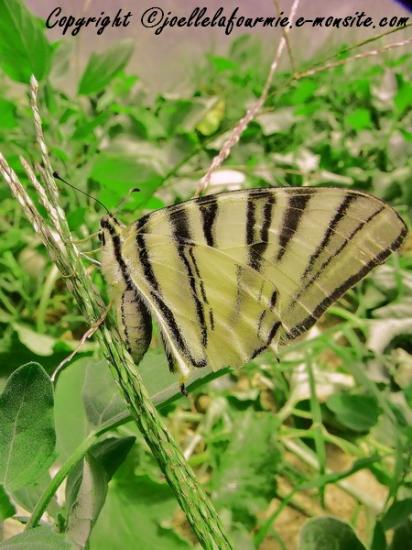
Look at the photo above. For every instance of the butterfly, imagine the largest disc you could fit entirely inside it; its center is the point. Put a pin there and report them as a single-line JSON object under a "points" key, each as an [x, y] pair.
{"points": [[229, 275]]}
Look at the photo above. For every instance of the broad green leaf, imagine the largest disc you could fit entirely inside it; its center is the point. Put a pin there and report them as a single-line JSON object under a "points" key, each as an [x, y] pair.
{"points": [[397, 514], [245, 479], [27, 436], [40, 538], [359, 119], [24, 49], [102, 68], [138, 506], [86, 490], [71, 421], [328, 534], [357, 412], [101, 397], [6, 507]]}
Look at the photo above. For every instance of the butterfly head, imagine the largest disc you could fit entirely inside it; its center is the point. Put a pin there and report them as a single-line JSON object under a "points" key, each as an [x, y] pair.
{"points": [[111, 235]]}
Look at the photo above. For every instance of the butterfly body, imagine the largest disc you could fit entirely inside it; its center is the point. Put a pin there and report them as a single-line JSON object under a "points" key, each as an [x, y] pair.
{"points": [[229, 275]]}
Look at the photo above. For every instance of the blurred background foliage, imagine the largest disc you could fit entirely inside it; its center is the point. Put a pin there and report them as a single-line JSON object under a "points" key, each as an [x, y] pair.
{"points": [[322, 430]]}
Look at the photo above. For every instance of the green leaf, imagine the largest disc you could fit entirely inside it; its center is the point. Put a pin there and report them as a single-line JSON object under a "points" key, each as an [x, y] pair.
{"points": [[111, 452], [222, 64], [86, 491], [24, 49], [41, 538], [101, 397], [303, 91], [72, 428], [27, 437], [138, 506], [397, 514], [6, 507], [245, 479], [7, 114], [328, 534], [102, 68], [378, 539], [402, 537], [118, 174], [403, 97], [359, 119], [357, 412]]}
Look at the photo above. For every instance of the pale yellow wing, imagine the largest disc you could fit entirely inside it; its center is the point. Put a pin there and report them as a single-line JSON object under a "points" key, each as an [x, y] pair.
{"points": [[226, 275]]}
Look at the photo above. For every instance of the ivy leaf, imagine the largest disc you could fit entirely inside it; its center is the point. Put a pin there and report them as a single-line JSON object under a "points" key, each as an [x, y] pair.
{"points": [[24, 49], [27, 436], [327, 534], [102, 68]]}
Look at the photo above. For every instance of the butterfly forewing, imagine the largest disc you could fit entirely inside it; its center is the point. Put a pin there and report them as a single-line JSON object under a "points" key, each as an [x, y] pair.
{"points": [[228, 275]]}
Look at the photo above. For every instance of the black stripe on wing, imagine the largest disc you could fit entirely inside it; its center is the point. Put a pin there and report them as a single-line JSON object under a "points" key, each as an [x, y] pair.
{"points": [[293, 215], [157, 296], [183, 238], [208, 206], [341, 289], [333, 256], [258, 245], [330, 232]]}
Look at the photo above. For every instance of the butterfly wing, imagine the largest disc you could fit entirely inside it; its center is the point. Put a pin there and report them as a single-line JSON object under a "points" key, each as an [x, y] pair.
{"points": [[227, 275]]}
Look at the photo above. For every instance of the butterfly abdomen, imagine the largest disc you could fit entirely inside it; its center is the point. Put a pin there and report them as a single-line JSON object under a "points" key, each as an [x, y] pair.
{"points": [[135, 323]]}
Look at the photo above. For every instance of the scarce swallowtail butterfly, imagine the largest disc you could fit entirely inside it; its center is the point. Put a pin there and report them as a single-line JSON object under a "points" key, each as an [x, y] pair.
{"points": [[228, 275]]}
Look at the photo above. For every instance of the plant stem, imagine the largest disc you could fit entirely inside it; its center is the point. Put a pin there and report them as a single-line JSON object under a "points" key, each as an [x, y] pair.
{"points": [[58, 479]]}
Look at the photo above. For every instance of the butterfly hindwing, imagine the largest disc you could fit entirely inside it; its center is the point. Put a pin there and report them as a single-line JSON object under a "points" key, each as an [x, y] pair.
{"points": [[227, 275]]}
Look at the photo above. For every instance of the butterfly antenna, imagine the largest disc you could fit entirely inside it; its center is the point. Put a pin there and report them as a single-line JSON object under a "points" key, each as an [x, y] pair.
{"points": [[58, 177]]}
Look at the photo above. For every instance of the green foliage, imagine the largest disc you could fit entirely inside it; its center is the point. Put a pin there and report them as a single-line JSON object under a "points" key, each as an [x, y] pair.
{"points": [[27, 435], [140, 507], [102, 68], [328, 534], [24, 49], [357, 412], [41, 537]]}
